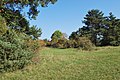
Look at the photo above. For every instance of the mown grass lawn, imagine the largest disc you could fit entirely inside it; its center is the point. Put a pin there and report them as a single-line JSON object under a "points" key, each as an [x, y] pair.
{"points": [[71, 64]]}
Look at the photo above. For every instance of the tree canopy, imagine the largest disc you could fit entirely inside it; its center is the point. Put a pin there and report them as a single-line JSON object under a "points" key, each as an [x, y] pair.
{"points": [[13, 13], [19, 5], [56, 35], [101, 30]]}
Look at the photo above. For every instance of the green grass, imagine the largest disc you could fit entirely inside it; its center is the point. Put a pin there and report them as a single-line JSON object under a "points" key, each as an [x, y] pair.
{"points": [[71, 64]]}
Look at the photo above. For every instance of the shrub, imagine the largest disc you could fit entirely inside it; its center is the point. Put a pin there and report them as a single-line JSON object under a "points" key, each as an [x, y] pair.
{"points": [[14, 52], [84, 43], [33, 45], [42, 43], [48, 44], [73, 44], [3, 27], [61, 43]]}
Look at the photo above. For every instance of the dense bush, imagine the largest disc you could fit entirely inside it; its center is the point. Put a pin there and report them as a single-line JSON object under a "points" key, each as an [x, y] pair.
{"points": [[42, 43], [80, 43], [61, 43], [3, 27], [14, 52], [33, 45], [84, 43], [74, 43]]}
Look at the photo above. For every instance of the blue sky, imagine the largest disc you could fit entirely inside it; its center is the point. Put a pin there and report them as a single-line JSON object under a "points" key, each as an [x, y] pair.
{"points": [[67, 15]]}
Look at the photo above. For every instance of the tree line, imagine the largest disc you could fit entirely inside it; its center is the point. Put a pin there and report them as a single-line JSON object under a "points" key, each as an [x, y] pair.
{"points": [[98, 30], [101, 30]]}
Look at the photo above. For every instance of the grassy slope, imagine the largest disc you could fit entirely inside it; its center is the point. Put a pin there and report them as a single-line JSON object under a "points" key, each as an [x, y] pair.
{"points": [[71, 64]]}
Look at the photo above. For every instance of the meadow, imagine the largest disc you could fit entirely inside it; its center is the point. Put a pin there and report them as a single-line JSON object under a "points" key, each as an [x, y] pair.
{"points": [[71, 64]]}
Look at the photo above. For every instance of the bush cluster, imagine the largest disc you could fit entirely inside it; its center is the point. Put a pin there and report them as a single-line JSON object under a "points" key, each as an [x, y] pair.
{"points": [[84, 43], [81, 43], [61, 43], [14, 52]]}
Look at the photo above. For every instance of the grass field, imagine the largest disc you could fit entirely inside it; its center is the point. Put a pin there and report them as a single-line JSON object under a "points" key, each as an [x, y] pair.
{"points": [[71, 64]]}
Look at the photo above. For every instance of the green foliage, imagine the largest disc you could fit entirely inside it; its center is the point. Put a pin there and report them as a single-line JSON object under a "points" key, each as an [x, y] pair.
{"points": [[61, 43], [101, 30], [3, 27], [84, 43], [19, 5], [33, 45], [81, 43], [94, 22], [35, 32], [12, 12], [112, 34], [73, 36], [14, 53], [56, 36], [59, 40], [20, 24], [15, 20]]}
